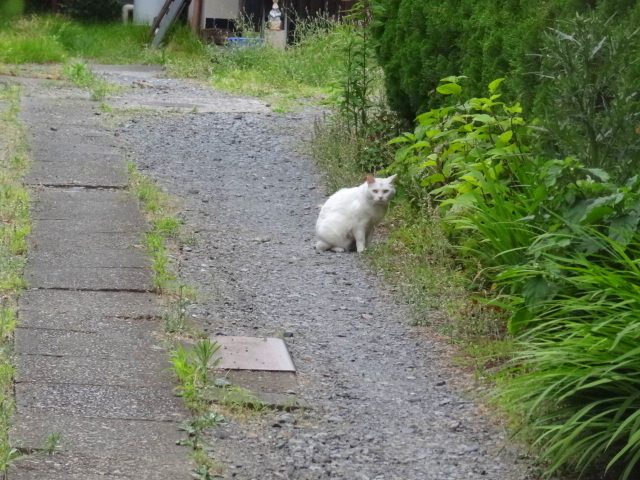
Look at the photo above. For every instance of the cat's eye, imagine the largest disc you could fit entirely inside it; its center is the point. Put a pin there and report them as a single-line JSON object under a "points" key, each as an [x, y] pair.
{"points": [[385, 191], [375, 191]]}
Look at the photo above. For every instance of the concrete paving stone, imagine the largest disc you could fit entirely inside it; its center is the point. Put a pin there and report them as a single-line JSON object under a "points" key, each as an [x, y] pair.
{"points": [[86, 321], [49, 239], [97, 466], [103, 435], [75, 153], [130, 279], [140, 369], [38, 110], [87, 210], [101, 401], [46, 257], [39, 308], [93, 173], [65, 134], [131, 340]]}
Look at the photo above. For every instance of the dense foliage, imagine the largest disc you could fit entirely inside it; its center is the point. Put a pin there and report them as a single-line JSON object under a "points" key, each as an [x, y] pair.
{"points": [[424, 41], [556, 236]]}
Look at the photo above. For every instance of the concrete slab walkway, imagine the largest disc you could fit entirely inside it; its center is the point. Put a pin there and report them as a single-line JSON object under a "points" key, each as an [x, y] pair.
{"points": [[90, 365]]}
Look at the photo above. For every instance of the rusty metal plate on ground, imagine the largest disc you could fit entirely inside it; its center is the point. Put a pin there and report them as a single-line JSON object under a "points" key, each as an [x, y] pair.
{"points": [[250, 353]]}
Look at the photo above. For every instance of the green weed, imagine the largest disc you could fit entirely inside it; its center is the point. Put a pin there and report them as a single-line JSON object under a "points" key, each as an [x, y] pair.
{"points": [[51, 444], [80, 74], [159, 208], [192, 368]]}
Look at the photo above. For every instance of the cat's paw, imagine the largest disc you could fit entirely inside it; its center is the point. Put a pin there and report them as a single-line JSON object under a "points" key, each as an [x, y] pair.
{"points": [[337, 249]]}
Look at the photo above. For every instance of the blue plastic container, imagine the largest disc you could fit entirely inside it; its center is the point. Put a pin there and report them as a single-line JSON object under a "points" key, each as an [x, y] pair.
{"points": [[245, 42]]}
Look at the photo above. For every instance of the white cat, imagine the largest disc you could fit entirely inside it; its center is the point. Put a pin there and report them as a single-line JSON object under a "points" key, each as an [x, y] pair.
{"points": [[350, 215]]}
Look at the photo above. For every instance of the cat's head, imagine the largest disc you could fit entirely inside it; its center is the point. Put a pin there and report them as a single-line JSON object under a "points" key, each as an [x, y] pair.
{"points": [[381, 190]]}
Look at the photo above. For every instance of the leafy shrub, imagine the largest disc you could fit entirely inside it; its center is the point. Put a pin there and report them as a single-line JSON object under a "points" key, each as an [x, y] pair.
{"points": [[473, 158], [497, 197], [422, 42], [589, 97]]}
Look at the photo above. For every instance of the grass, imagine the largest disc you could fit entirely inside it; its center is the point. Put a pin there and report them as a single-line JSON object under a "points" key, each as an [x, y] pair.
{"points": [[159, 209], [79, 73], [14, 227], [14, 200], [50, 38], [574, 379]]}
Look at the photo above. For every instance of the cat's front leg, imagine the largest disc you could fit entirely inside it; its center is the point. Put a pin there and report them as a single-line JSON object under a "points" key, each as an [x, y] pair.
{"points": [[361, 240]]}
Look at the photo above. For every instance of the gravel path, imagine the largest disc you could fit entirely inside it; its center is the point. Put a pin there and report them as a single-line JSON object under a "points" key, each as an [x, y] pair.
{"points": [[382, 402]]}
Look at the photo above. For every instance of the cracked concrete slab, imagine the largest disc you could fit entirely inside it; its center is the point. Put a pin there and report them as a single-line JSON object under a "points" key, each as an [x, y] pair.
{"points": [[124, 340], [102, 401], [97, 434], [128, 465], [51, 239], [74, 153], [38, 307], [107, 371], [109, 172], [88, 278], [47, 256]]}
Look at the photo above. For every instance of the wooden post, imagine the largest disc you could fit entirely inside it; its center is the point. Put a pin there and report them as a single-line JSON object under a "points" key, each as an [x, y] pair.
{"points": [[196, 17]]}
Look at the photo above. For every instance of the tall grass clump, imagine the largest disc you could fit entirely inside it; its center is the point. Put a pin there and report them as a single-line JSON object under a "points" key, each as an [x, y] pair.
{"points": [[575, 376], [53, 38], [306, 68]]}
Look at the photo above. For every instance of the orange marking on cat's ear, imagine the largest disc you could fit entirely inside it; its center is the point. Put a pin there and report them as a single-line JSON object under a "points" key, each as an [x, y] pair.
{"points": [[370, 179]]}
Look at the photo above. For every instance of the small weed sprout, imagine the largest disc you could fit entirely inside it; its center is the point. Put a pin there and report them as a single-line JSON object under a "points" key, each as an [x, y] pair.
{"points": [[51, 444], [192, 366], [196, 427]]}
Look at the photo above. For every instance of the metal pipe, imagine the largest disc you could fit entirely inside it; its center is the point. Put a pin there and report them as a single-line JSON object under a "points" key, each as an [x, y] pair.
{"points": [[126, 11]]}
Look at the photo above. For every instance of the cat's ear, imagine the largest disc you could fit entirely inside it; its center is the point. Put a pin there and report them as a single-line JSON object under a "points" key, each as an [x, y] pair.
{"points": [[392, 178], [370, 179]]}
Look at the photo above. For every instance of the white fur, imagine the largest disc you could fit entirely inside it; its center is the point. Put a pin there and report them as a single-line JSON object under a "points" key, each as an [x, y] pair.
{"points": [[350, 215]]}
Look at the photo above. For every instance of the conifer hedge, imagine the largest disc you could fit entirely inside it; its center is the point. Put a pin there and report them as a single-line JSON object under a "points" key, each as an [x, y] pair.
{"points": [[423, 41]]}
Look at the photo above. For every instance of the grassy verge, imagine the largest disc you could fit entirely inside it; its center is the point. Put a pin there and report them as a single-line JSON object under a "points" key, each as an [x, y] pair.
{"points": [[14, 227]]}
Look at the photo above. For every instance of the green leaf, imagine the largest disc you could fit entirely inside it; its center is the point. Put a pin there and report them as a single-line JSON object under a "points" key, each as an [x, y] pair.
{"points": [[484, 118], [453, 78], [436, 177], [519, 320], [599, 173], [535, 290], [449, 89], [493, 86], [506, 136], [622, 228]]}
